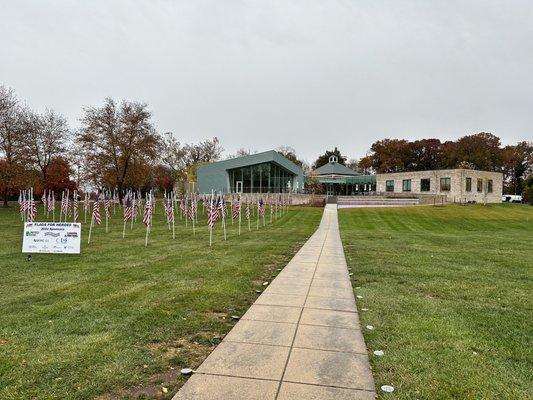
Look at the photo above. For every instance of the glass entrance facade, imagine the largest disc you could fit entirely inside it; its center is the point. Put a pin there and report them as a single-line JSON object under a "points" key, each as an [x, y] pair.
{"points": [[260, 178]]}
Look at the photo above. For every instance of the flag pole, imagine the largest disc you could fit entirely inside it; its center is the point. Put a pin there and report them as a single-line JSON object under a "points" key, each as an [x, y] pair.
{"points": [[172, 200], [186, 211], [148, 223], [146, 238], [248, 217], [61, 207], [193, 216], [224, 217], [240, 206], [90, 230], [257, 222]]}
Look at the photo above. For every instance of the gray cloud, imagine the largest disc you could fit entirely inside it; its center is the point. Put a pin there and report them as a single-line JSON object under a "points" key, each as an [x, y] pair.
{"points": [[311, 74]]}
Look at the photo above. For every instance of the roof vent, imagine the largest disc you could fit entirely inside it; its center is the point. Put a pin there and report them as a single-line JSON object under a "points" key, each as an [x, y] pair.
{"points": [[333, 159]]}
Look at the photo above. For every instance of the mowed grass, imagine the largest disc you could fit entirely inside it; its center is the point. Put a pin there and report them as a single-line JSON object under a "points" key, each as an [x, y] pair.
{"points": [[121, 319], [449, 292]]}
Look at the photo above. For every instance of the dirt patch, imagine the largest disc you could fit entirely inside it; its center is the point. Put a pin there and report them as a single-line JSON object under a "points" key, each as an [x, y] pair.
{"points": [[185, 352]]}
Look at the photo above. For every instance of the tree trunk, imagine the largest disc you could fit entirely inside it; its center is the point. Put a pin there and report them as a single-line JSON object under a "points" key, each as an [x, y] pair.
{"points": [[6, 191]]}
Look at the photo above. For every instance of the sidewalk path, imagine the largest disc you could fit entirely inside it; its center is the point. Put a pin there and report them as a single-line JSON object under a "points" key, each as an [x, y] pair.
{"points": [[301, 338]]}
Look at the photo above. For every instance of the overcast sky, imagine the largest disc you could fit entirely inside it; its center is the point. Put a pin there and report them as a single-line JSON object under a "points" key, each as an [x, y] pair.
{"points": [[311, 74]]}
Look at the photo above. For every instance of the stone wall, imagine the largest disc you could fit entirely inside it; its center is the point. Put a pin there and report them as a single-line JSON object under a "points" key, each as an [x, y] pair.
{"points": [[457, 192], [300, 199]]}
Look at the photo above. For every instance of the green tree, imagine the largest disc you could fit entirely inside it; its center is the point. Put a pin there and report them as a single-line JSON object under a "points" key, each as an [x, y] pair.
{"points": [[324, 158]]}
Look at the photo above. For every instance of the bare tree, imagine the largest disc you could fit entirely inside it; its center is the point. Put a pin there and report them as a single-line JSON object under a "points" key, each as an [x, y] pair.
{"points": [[289, 153], [12, 140], [203, 152], [174, 156], [47, 137], [118, 142]]}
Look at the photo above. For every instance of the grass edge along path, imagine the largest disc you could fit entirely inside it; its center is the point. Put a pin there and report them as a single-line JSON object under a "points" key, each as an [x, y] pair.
{"points": [[448, 291], [121, 319]]}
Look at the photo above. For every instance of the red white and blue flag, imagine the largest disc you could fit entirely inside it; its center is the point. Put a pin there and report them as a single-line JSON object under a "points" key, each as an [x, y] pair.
{"points": [[96, 211]]}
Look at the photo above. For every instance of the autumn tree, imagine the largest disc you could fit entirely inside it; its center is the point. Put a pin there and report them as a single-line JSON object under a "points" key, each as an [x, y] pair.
{"points": [[12, 142], [117, 142], [388, 155], [424, 155], [517, 162], [481, 150], [46, 138], [324, 158], [58, 177]]}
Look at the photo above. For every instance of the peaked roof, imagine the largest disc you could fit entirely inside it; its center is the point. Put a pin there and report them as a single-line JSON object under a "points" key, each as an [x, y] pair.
{"points": [[257, 158], [334, 168]]}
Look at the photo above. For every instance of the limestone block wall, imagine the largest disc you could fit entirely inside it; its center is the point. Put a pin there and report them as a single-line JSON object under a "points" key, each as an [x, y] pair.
{"points": [[458, 187]]}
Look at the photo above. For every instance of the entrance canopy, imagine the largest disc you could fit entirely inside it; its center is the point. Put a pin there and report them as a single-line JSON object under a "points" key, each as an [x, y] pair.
{"points": [[337, 179]]}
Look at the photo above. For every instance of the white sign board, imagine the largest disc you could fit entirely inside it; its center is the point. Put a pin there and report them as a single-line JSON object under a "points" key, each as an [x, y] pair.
{"points": [[51, 237]]}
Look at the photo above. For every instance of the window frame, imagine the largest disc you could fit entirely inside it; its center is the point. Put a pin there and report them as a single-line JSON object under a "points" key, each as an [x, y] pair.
{"points": [[423, 187], [479, 185], [406, 185], [447, 186], [389, 188], [468, 184]]}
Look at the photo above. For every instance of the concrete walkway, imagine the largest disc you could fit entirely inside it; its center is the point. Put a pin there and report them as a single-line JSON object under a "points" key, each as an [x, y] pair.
{"points": [[301, 338]]}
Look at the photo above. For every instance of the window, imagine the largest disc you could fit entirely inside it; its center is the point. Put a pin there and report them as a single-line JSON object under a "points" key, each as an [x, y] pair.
{"points": [[445, 184], [489, 186], [468, 184], [425, 185], [389, 186], [406, 185], [260, 178], [480, 185]]}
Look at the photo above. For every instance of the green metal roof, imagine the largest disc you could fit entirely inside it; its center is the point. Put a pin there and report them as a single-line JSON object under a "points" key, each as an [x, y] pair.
{"points": [[334, 168], [214, 176], [359, 179]]}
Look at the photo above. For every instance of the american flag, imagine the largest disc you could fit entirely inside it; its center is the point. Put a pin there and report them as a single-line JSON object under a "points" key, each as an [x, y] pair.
{"points": [[147, 215], [96, 211], [51, 201], [192, 209], [247, 212], [22, 202], [169, 209], [212, 213], [32, 209], [221, 206], [43, 199], [236, 207], [261, 207], [128, 208], [75, 206], [135, 202], [107, 207]]}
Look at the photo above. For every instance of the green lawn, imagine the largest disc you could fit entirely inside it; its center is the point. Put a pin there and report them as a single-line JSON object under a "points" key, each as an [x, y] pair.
{"points": [[449, 292], [120, 320]]}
